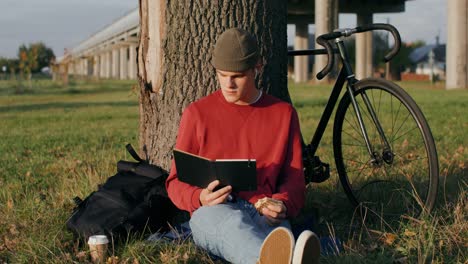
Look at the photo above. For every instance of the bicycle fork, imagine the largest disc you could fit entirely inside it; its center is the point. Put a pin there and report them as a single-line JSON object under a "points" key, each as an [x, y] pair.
{"points": [[387, 154]]}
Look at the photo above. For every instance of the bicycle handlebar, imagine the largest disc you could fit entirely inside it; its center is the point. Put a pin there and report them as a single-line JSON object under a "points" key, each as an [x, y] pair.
{"points": [[324, 41]]}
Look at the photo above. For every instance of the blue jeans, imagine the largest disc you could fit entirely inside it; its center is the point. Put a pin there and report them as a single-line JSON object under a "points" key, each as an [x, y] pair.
{"points": [[233, 231]]}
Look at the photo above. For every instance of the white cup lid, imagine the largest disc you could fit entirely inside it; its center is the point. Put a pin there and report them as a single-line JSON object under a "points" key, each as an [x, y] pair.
{"points": [[98, 239]]}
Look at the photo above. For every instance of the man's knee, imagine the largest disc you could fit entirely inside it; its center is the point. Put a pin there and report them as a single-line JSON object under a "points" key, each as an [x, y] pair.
{"points": [[209, 215]]}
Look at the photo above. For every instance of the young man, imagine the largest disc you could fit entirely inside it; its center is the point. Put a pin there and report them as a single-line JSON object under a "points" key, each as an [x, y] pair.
{"points": [[239, 121]]}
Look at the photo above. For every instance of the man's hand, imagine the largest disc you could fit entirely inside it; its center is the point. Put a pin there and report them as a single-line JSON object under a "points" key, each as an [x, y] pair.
{"points": [[209, 197], [274, 214]]}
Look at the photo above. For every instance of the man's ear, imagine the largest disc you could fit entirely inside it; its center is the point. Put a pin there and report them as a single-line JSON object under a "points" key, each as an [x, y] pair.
{"points": [[257, 68]]}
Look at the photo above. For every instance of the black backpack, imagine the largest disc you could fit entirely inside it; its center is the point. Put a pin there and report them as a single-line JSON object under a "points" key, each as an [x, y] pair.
{"points": [[133, 200]]}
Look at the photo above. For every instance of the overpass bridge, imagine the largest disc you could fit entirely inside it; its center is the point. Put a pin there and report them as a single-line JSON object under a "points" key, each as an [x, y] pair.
{"points": [[111, 52]]}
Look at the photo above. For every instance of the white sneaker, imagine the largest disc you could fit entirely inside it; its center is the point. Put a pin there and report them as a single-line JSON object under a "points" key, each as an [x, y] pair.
{"points": [[277, 248], [307, 250]]}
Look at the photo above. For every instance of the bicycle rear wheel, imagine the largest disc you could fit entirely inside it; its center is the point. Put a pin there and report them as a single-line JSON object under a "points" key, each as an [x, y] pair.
{"points": [[402, 181]]}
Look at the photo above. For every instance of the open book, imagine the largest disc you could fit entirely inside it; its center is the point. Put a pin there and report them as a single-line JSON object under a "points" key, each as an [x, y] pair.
{"points": [[195, 170]]}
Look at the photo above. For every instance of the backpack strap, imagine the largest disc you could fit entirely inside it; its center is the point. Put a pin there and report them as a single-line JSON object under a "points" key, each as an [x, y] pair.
{"points": [[132, 152]]}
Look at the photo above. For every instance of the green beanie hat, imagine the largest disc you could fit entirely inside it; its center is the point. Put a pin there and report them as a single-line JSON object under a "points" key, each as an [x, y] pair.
{"points": [[235, 51]]}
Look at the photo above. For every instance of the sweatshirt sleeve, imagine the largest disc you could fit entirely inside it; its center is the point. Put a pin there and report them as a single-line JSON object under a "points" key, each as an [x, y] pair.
{"points": [[291, 189], [183, 195]]}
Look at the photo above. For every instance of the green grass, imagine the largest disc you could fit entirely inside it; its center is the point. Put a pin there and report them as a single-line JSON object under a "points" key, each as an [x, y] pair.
{"points": [[58, 143]]}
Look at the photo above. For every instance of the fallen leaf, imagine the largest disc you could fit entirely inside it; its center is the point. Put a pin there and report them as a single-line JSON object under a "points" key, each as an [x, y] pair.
{"points": [[13, 230], [441, 243], [409, 233], [26, 152], [405, 143], [389, 238], [10, 204], [112, 260], [11, 244], [82, 256]]}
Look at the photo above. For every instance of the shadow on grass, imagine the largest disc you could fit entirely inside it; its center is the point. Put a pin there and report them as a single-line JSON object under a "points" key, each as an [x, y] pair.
{"points": [[100, 89], [365, 238], [62, 105]]}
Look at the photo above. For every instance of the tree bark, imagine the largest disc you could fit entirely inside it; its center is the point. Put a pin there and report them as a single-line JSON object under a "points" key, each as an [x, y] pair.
{"points": [[174, 59]]}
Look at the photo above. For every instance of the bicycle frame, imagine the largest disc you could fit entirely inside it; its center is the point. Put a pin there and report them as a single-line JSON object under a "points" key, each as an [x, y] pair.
{"points": [[346, 74]]}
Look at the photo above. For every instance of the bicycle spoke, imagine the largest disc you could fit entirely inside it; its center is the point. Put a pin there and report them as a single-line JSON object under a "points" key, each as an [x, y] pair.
{"points": [[356, 121], [404, 134], [369, 123], [360, 162], [396, 117], [406, 118], [354, 128], [386, 184], [362, 146], [380, 100]]}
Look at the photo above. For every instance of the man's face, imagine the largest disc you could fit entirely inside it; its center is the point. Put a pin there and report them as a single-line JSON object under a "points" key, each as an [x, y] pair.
{"points": [[238, 87]]}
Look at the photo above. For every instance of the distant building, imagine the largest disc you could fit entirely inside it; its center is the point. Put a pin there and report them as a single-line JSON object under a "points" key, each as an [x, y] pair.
{"points": [[427, 60]]}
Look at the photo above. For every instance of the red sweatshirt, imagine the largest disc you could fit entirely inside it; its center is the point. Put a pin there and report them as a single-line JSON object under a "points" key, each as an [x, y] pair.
{"points": [[267, 131]]}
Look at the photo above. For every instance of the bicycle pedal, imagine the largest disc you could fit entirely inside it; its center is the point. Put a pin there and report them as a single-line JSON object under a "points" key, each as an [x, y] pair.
{"points": [[315, 170]]}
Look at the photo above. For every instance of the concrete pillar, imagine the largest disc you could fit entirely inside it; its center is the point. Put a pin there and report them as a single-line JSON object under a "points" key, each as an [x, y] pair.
{"points": [[74, 67], [102, 66], [90, 66], [108, 64], [301, 63], [132, 63], [115, 63], [70, 67], [85, 67], [364, 48], [123, 63], [457, 44], [326, 20], [96, 65], [79, 65]]}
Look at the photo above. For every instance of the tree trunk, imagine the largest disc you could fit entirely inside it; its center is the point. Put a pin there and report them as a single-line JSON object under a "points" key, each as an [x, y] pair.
{"points": [[174, 55]]}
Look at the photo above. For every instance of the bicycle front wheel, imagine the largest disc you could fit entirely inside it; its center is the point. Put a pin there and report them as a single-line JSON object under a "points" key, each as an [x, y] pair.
{"points": [[400, 175]]}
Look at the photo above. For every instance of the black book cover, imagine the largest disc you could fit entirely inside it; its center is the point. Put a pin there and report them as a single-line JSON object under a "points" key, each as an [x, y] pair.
{"points": [[195, 170]]}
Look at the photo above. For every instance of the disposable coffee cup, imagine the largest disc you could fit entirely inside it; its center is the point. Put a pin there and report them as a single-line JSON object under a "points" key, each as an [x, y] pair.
{"points": [[98, 248]]}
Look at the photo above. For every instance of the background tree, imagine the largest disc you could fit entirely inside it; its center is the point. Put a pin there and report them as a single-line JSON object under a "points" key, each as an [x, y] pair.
{"points": [[35, 56], [44, 55], [174, 54], [12, 67], [27, 62]]}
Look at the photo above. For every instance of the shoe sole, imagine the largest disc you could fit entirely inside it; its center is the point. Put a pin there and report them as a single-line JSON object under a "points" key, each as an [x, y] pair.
{"points": [[277, 247], [307, 250]]}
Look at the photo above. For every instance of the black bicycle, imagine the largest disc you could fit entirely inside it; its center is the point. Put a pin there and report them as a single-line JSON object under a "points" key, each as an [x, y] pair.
{"points": [[384, 151]]}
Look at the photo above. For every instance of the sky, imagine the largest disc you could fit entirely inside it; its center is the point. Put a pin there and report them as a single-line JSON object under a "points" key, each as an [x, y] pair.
{"points": [[65, 23]]}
